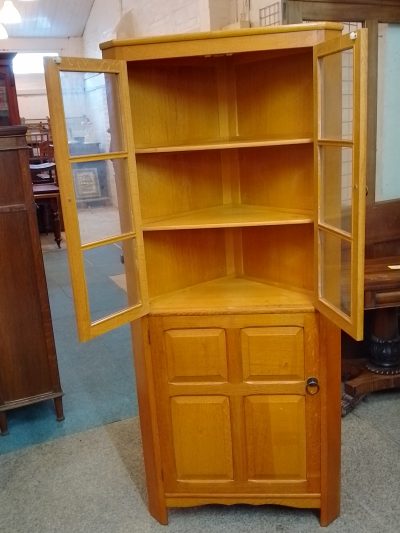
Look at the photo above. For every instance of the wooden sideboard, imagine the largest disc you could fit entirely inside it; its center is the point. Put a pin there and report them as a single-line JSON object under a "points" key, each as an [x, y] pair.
{"points": [[28, 361]]}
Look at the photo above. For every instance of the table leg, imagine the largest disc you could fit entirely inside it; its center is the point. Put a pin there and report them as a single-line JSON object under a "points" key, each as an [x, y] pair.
{"points": [[58, 405], [3, 423], [384, 343], [56, 221]]}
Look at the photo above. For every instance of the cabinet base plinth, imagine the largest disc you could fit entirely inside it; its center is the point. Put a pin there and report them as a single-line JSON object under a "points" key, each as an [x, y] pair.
{"points": [[311, 501]]}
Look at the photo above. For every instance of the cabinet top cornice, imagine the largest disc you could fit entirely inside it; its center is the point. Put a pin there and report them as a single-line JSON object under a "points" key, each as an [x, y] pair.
{"points": [[243, 32]]}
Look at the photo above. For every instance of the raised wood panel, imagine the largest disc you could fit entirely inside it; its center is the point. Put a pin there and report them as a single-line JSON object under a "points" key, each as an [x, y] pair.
{"points": [[197, 355], [269, 103], [272, 353], [202, 438], [281, 255], [276, 437], [173, 103]]}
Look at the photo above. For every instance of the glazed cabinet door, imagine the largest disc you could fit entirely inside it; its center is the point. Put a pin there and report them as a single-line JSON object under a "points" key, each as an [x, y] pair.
{"points": [[234, 413], [340, 166], [92, 135]]}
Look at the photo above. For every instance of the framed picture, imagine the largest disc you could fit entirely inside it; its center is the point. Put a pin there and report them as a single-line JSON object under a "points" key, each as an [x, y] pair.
{"points": [[86, 183]]}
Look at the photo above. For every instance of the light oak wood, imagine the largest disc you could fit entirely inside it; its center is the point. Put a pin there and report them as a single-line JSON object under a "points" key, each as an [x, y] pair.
{"points": [[132, 241], [232, 295], [285, 348], [276, 437], [224, 142], [260, 409], [208, 420], [344, 250], [206, 363], [229, 216], [148, 419], [330, 421]]}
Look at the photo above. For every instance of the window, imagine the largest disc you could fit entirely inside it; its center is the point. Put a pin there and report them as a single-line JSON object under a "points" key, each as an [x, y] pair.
{"points": [[30, 62]]}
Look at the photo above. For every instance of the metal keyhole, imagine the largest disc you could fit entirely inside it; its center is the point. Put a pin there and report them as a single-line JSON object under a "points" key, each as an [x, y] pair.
{"points": [[312, 386]]}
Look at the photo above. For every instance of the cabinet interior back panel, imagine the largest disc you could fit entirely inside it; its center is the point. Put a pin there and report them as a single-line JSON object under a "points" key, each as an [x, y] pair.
{"points": [[173, 183], [281, 255], [179, 259], [274, 96], [279, 176], [174, 103]]}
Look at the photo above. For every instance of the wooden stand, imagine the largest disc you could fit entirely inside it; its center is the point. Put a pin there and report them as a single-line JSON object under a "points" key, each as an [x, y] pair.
{"points": [[381, 370]]}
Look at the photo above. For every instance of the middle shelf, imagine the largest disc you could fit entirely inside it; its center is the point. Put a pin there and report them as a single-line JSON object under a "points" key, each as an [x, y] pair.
{"points": [[229, 216]]}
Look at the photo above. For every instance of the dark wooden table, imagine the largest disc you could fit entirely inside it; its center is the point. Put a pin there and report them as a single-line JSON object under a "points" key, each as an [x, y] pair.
{"points": [[48, 195], [379, 370]]}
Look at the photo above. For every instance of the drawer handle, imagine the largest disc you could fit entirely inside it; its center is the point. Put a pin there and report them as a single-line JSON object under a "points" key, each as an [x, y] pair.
{"points": [[312, 386]]}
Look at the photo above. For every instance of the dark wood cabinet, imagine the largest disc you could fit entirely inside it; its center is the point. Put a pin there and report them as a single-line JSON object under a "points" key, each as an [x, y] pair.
{"points": [[28, 361], [9, 114]]}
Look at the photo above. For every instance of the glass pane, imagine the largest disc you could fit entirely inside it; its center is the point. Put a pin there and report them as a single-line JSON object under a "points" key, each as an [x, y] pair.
{"points": [[87, 97], [335, 271], [4, 111], [111, 278], [336, 95], [387, 185], [102, 198], [336, 186]]}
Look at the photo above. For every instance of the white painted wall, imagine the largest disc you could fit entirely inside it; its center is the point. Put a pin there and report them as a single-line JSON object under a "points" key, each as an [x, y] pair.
{"points": [[138, 18]]}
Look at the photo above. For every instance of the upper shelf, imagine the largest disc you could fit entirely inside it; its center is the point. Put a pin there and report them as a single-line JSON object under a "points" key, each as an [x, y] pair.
{"points": [[229, 216], [223, 144]]}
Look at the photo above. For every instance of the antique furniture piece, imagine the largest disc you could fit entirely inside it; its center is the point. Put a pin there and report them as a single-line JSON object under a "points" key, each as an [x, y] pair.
{"points": [[47, 197], [9, 113], [237, 163], [28, 361], [39, 140], [44, 177], [381, 369]]}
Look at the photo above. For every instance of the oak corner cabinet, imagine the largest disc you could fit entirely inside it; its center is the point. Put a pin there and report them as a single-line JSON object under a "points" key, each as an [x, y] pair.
{"points": [[236, 177], [28, 360]]}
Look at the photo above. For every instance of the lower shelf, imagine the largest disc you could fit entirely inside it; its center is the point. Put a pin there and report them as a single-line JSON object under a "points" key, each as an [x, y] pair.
{"points": [[234, 295]]}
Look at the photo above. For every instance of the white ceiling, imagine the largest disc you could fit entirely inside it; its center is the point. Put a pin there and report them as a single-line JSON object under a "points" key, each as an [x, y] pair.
{"points": [[50, 18]]}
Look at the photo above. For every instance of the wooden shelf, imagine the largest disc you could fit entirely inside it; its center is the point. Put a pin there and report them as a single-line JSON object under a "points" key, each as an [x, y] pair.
{"points": [[232, 295], [224, 144], [229, 216]]}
